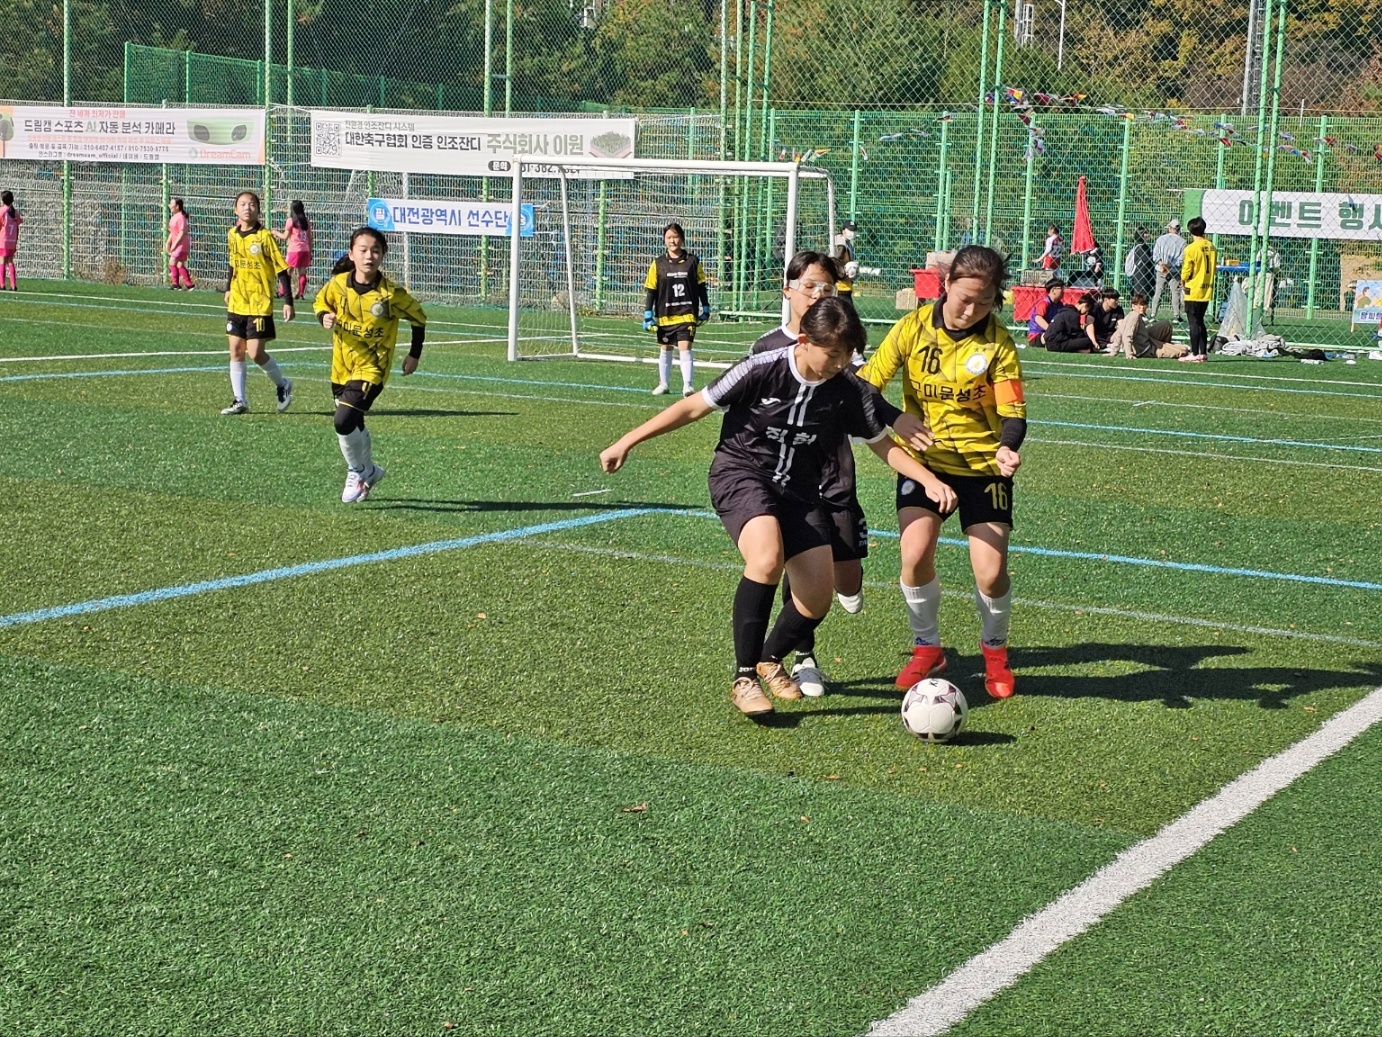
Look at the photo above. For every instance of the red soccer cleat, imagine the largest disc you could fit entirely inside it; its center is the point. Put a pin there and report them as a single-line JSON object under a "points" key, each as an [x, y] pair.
{"points": [[926, 661], [998, 677]]}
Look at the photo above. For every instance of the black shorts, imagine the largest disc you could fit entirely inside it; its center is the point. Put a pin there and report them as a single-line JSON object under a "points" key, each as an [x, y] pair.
{"points": [[671, 334], [251, 328], [850, 541], [358, 394], [983, 498], [740, 496]]}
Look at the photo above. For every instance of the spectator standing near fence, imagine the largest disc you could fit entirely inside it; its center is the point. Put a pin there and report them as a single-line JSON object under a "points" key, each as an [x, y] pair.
{"points": [[1138, 267], [1054, 249], [1167, 254], [178, 246], [10, 221], [1197, 272]]}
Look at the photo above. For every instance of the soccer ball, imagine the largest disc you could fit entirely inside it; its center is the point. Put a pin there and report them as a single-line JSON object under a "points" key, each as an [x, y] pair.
{"points": [[934, 710]]}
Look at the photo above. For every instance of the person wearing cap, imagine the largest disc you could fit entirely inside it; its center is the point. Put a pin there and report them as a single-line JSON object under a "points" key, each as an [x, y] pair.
{"points": [[1167, 254], [845, 263]]}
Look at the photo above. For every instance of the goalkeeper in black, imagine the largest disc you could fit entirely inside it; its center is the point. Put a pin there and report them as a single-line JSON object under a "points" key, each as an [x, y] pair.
{"points": [[675, 302]]}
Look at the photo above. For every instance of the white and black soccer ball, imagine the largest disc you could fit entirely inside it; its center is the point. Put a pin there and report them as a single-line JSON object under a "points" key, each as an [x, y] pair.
{"points": [[934, 710]]}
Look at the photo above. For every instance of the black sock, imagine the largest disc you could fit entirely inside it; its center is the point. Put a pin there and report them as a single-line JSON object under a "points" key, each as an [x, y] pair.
{"points": [[808, 643], [791, 630], [753, 607]]}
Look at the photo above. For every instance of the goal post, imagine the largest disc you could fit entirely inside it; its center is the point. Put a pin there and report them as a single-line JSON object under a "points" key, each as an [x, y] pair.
{"points": [[576, 269]]}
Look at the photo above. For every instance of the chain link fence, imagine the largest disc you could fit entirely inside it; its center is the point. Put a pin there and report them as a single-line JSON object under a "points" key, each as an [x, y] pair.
{"points": [[940, 122]]}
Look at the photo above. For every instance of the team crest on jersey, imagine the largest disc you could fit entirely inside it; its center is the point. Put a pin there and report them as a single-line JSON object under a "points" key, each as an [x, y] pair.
{"points": [[380, 309], [254, 249], [977, 363]]}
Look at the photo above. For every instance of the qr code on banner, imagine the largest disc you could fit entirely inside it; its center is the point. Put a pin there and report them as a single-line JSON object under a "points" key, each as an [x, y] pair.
{"points": [[326, 138]]}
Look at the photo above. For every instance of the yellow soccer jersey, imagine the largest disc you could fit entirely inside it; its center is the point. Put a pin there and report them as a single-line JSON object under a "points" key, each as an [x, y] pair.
{"points": [[366, 329], [255, 263], [960, 387]]}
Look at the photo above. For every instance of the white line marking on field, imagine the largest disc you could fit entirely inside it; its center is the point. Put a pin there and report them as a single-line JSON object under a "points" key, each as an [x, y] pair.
{"points": [[161, 352], [1026, 603], [1201, 455], [591, 493], [1002, 965], [1352, 419]]}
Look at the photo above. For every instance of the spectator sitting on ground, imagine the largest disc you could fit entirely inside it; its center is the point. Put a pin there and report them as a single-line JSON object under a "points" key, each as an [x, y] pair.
{"points": [[1104, 318], [1066, 333], [1135, 338], [1045, 308]]}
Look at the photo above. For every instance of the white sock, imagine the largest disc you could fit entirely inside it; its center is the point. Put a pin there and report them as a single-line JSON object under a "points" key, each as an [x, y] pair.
{"points": [[923, 611], [994, 615], [355, 448], [664, 367], [270, 368], [688, 368], [237, 379]]}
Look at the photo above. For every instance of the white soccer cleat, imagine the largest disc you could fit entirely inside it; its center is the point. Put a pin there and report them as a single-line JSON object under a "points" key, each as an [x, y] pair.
{"points": [[809, 678], [688, 390], [851, 603], [660, 389], [353, 485], [285, 395], [370, 481], [236, 407]]}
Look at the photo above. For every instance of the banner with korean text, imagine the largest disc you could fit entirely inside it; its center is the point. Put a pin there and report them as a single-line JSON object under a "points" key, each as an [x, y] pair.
{"points": [[1367, 303], [433, 216], [194, 136], [1295, 214], [464, 146]]}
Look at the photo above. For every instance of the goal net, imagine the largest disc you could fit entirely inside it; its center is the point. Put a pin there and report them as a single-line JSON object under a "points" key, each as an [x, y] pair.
{"points": [[589, 232]]}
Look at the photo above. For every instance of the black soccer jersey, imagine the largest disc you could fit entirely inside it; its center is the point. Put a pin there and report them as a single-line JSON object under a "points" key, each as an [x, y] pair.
{"points": [[785, 428], [677, 289]]}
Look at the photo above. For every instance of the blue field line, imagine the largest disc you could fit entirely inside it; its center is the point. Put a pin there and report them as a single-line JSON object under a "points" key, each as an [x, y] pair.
{"points": [[110, 374], [1160, 563], [1210, 435], [187, 590]]}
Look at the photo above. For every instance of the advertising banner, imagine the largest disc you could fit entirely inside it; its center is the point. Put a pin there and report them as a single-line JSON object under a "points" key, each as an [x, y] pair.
{"points": [[464, 145], [1367, 303], [194, 136], [1296, 214], [433, 216]]}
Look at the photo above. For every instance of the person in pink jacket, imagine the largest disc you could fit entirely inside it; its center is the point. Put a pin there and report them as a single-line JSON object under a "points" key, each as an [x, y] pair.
{"points": [[9, 240], [297, 232], [179, 247]]}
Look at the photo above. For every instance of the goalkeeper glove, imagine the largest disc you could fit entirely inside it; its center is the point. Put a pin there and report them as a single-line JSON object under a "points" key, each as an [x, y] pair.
{"points": [[647, 320], [851, 269], [705, 312]]}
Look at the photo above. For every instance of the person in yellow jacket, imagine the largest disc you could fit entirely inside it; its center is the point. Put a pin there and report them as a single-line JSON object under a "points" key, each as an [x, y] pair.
{"points": [[962, 377], [1197, 270], [361, 307]]}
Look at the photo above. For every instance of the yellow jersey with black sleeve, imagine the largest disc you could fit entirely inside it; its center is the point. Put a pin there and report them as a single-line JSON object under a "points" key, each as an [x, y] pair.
{"points": [[961, 383], [365, 334], [677, 289], [255, 263]]}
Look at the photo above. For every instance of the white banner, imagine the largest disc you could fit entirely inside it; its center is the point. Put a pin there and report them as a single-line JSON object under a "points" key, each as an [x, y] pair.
{"points": [[433, 216], [1296, 214], [1367, 303], [195, 136], [464, 146]]}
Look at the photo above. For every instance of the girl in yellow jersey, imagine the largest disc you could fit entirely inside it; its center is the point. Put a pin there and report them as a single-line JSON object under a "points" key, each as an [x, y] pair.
{"points": [[962, 377], [255, 264], [361, 307]]}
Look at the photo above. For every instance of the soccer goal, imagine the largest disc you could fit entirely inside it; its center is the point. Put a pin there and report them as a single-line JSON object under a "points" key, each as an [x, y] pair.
{"points": [[590, 230]]}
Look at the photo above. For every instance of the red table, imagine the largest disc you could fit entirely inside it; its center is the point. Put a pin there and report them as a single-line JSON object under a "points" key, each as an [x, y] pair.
{"points": [[1025, 297]]}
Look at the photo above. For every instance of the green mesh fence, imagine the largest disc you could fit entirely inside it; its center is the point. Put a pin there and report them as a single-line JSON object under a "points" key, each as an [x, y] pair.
{"points": [[941, 123]]}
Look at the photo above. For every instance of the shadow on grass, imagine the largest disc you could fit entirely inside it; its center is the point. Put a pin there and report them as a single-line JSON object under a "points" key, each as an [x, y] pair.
{"points": [[1175, 675], [586, 504]]}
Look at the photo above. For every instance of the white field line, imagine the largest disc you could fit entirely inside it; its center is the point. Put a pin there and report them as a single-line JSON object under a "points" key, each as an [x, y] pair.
{"points": [[1196, 377], [994, 970], [1257, 411], [163, 352], [1201, 454], [1054, 606]]}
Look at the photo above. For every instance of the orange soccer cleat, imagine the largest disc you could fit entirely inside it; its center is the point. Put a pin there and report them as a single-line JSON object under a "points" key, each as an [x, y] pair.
{"points": [[926, 661], [998, 677]]}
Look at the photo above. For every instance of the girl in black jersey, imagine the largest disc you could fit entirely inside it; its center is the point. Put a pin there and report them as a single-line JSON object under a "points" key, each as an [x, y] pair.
{"points": [[786, 413]]}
